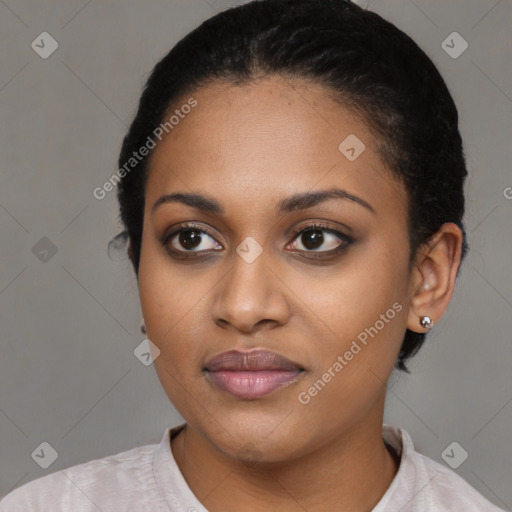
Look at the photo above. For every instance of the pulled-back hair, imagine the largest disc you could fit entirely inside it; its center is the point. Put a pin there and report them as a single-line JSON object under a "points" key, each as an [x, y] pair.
{"points": [[364, 62]]}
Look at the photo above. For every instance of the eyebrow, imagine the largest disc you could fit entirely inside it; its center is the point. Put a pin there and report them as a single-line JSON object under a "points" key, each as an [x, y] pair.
{"points": [[301, 201]]}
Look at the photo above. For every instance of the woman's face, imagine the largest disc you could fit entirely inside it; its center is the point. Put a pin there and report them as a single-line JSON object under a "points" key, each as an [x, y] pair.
{"points": [[332, 300]]}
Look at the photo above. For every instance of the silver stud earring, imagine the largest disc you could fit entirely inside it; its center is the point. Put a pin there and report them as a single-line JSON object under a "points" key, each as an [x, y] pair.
{"points": [[426, 321], [143, 328]]}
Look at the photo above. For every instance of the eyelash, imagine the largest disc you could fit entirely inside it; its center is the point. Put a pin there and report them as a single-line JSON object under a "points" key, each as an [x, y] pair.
{"points": [[346, 240]]}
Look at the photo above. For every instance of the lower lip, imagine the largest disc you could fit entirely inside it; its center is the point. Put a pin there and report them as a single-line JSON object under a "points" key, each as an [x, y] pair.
{"points": [[249, 385]]}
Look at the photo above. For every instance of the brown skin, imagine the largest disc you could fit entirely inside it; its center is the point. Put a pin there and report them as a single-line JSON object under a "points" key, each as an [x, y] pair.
{"points": [[249, 147]]}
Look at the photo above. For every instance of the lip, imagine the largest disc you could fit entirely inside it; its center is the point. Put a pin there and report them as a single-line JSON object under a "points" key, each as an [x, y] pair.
{"points": [[249, 375]]}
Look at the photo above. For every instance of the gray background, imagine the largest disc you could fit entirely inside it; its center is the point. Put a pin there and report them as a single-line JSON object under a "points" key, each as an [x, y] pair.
{"points": [[70, 324]]}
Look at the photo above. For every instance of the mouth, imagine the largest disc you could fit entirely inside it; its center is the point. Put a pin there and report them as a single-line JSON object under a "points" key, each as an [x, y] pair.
{"points": [[251, 375]]}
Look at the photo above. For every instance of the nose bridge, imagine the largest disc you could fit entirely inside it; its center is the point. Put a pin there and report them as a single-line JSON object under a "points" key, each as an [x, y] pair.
{"points": [[249, 277], [249, 292]]}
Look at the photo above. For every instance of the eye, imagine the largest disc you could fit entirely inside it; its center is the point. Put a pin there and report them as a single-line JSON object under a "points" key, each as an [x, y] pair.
{"points": [[190, 238], [322, 239], [195, 239]]}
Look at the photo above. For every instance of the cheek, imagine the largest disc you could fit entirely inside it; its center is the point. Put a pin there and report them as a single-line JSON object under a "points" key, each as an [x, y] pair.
{"points": [[171, 314], [162, 301], [174, 301], [170, 307], [362, 312], [363, 318], [167, 296], [353, 295]]}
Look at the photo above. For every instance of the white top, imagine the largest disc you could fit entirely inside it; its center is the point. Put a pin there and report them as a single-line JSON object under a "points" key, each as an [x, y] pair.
{"points": [[147, 479]]}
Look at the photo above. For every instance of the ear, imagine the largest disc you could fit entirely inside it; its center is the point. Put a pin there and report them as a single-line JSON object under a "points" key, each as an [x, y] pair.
{"points": [[433, 276]]}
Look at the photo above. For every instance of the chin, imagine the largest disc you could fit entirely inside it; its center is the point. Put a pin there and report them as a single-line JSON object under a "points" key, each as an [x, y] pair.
{"points": [[257, 440]]}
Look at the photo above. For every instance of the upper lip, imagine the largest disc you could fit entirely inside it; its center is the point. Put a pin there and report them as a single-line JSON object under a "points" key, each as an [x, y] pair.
{"points": [[235, 360]]}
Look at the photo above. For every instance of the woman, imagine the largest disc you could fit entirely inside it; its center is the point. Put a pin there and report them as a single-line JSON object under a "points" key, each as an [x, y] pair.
{"points": [[292, 192]]}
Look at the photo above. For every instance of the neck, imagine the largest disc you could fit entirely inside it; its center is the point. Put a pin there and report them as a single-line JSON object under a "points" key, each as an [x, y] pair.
{"points": [[351, 472]]}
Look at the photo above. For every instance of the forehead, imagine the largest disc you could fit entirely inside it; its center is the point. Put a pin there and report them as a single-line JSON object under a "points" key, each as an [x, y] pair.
{"points": [[268, 139]]}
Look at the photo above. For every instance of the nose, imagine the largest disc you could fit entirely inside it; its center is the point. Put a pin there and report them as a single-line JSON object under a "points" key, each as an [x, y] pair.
{"points": [[250, 297]]}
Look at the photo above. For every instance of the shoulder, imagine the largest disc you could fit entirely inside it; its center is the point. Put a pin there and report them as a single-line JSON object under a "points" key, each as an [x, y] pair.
{"points": [[103, 484], [451, 492], [423, 484]]}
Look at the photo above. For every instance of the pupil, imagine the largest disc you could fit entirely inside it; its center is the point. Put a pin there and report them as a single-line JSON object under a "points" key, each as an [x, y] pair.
{"points": [[190, 239], [312, 239]]}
